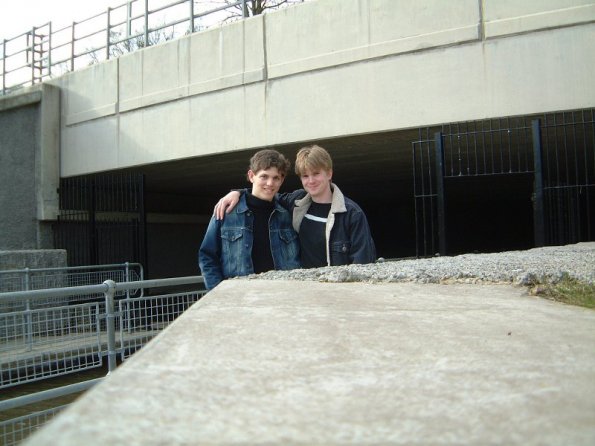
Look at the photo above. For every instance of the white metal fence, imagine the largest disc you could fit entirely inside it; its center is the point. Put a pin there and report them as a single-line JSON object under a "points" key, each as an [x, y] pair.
{"points": [[46, 342], [45, 51], [61, 277], [42, 343]]}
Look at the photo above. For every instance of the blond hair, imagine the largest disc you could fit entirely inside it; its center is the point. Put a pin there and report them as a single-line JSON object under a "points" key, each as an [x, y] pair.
{"points": [[312, 157]]}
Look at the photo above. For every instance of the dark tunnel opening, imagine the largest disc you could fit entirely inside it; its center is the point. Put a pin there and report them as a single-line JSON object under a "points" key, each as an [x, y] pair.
{"points": [[483, 212]]}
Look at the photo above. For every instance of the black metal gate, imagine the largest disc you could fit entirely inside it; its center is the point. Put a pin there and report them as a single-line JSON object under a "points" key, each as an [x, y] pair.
{"points": [[102, 219], [558, 151], [567, 146]]}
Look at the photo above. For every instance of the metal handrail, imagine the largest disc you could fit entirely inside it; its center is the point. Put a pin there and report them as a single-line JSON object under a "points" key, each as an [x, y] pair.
{"points": [[103, 288], [126, 267], [71, 268], [41, 49], [49, 394], [108, 289]]}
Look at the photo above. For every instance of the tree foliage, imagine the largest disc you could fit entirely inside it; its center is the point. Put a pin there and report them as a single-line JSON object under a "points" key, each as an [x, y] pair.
{"points": [[252, 7]]}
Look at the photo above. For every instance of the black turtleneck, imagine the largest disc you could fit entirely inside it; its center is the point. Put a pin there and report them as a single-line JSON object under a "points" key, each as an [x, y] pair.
{"points": [[262, 258]]}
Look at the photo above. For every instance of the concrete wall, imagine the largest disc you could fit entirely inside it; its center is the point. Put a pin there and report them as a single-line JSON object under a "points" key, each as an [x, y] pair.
{"points": [[29, 167], [307, 363], [326, 68], [34, 258]]}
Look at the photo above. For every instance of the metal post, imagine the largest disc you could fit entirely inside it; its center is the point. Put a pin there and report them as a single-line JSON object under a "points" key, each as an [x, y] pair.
{"points": [[4, 66], [108, 36], [50, 50], [72, 48], [129, 19], [32, 51], [110, 324], [126, 322], [28, 321], [93, 245], [538, 206], [146, 23], [244, 9], [440, 193], [191, 16]]}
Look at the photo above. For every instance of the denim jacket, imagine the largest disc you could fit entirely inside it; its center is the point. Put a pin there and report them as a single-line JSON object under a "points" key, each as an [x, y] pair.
{"points": [[226, 250]]}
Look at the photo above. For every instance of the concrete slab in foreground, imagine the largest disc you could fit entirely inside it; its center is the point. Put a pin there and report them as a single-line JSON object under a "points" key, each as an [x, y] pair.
{"points": [[317, 363]]}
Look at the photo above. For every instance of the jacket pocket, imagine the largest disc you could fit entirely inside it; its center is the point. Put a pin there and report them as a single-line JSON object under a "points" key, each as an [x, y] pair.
{"points": [[340, 253], [232, 250], [289, 249], [288, 235]]}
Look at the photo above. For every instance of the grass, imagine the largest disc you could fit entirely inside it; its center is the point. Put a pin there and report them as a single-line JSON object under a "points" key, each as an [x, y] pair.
{"points": [[569, 291]]}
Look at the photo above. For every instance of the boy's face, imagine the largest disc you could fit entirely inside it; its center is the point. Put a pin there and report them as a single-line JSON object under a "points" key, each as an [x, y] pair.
{"points": [[317, 182], [266, 183]]}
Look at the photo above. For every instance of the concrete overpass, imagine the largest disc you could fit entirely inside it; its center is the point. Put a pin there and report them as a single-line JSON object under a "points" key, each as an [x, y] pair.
{"points": [[364, 78]]}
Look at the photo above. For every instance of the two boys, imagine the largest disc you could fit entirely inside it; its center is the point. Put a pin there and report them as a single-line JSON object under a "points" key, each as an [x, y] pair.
{"points": [[333, 229]]}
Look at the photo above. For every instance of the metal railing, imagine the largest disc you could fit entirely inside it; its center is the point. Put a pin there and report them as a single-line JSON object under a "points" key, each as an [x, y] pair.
{"points": [[44, 52], [45, 342], [77, 337], [60, 277], [15, 430]]}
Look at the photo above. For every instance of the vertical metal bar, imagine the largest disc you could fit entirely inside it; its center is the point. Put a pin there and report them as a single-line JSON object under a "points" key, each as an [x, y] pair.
{"points": [[32, 50], [72, 41], [110, 324], [415, 199], [28, 318], [4, 66], [429, 202], [126, 323], [191, 3], [92, 222], [128, 20], [577, 180], [143, 223], [146, 23], [440, 193], [588, 187], [50, 50], [244, 9], [107, 33], [538, 208]]}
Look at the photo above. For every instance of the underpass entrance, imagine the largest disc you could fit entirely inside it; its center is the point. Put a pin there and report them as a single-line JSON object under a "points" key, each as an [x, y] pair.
{"points": [[102, 219], [505, 184]]}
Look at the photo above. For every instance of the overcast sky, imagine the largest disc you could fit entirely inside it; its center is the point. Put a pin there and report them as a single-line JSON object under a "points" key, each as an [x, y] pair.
{"points": [[18, 16]]}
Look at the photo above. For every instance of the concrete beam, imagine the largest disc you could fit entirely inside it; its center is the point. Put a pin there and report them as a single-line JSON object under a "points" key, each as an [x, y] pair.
{"points": [[365, 66], [269, 362]]}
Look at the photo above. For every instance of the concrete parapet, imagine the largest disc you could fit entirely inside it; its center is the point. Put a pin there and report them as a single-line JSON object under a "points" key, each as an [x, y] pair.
{"points": [[272, 362], [16, 281], [33, 258]]}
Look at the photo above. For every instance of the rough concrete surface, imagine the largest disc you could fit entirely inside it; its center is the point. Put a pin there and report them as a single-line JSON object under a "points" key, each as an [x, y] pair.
{"points": [[286, 362], [546, 264]]}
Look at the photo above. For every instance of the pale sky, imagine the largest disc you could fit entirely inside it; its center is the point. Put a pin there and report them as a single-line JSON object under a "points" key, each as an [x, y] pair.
{"points": [[18, 16]]}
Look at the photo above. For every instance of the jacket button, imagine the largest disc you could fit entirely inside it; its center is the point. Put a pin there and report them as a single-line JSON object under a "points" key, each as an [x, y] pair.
{"points": [[344, 248]]}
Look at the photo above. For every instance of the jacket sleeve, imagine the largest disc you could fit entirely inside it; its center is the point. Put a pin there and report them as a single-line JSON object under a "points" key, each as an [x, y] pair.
{"points": [[363, 249], [287, 199], [209, 255]]}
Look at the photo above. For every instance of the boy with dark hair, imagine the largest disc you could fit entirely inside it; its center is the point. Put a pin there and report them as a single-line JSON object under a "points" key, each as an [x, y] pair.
{"points": [[257, 236], [333, 229]]}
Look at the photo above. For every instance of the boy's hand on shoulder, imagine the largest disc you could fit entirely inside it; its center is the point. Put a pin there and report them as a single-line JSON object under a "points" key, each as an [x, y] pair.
{"points": [[226, 204]]}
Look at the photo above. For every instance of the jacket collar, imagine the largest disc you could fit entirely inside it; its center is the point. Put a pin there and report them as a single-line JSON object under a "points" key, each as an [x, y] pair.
{"points": [[337, 203], [242, 206]]}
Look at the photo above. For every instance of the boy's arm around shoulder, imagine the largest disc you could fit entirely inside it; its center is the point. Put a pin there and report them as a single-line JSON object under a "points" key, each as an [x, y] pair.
{"points": [[288, 199]]}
